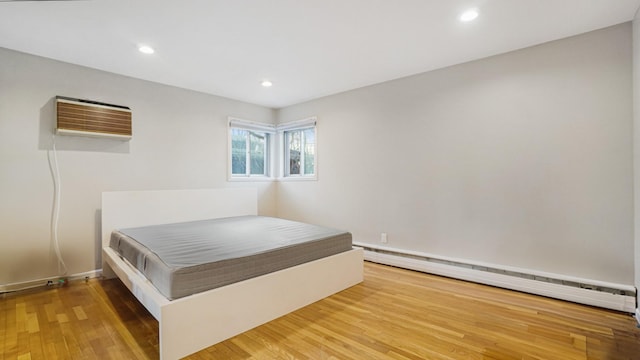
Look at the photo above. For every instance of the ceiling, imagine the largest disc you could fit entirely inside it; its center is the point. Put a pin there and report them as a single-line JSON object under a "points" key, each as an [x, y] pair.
{"points": [[307, 48]]}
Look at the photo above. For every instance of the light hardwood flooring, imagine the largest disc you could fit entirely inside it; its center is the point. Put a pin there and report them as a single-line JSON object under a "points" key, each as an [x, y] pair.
{"points": [[393, 314]]}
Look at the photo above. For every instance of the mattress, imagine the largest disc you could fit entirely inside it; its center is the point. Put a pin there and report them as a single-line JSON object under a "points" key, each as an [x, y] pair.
{"points": [[186, 258]]}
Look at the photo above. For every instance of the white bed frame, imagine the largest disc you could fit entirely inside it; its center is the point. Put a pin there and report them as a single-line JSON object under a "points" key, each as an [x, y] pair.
{"points": [[192, 323]]}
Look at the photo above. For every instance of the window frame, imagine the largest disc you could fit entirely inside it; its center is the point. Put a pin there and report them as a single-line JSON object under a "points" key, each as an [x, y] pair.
{"points": [[283, 131], [263, 129]]}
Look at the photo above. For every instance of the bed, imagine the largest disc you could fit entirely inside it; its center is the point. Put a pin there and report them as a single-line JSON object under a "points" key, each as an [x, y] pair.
{"points": [[192, 322]]}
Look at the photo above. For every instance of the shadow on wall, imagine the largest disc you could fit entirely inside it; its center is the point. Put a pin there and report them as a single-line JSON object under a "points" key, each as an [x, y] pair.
{"points": [[47, 138], [98, 239]]}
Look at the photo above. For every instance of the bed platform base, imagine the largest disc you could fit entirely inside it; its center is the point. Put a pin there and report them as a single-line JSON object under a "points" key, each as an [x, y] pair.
{"points": [[192, 323]]}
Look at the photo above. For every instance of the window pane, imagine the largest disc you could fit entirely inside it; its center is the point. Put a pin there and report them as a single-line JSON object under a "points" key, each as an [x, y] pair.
{"points": [[309, 151], [257, 151], [294, 152], [238, 152]]}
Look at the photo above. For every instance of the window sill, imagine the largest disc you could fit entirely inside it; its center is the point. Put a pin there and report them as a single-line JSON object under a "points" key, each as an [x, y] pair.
{"points": [[298, 178], [251, 179]]}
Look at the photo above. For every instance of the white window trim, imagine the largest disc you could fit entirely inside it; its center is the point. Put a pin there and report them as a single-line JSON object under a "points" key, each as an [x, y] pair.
{"points": [[252, 125], [310, 122], [270, 129], [276, 149], [297, 125]]}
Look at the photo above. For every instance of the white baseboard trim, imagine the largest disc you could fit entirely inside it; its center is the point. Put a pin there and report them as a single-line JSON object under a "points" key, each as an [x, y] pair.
{"points": [[623, 301], [638, 317], [50, 281]]}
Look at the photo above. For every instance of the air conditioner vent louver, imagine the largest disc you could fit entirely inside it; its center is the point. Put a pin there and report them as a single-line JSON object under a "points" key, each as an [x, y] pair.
{"points": [[91, 118]]}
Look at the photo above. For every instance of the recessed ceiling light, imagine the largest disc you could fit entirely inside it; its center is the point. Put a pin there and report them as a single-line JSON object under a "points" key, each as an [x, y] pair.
{"points": [[469, 15], [146, 49], [266, 83]]}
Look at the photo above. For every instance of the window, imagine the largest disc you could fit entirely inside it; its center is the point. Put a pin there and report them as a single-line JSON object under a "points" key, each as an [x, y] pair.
{"points": [[299, 140], [259, 151], [249, 148]]}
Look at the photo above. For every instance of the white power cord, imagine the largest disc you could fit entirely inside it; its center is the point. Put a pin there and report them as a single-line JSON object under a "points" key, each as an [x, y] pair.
{"points": [[55, 214]]}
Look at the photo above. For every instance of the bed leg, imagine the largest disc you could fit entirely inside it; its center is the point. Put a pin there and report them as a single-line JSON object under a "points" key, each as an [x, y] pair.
{"points": [[107, 272]]}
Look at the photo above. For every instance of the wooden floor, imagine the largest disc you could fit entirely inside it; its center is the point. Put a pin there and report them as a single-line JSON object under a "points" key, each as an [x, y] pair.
{"points": [[393, 314]]}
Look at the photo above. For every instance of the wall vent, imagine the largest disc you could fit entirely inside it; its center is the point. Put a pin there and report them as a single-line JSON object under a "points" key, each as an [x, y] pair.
{"points": [[92, 118]]}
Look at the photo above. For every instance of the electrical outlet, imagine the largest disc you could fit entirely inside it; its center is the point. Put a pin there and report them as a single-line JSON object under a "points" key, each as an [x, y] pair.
{"points": [[383, 238]]}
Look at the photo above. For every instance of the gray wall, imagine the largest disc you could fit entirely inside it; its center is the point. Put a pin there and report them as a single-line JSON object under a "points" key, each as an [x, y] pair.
{"points": [[636, 144], [522, 159], [179, 141]]}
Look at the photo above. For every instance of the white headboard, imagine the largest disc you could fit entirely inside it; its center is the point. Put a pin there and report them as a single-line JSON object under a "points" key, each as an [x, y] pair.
{"points": [[122, 209]]}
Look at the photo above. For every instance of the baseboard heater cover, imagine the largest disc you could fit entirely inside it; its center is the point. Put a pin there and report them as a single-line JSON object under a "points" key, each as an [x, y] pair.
{"points": [[589, 292], [92, 118]]}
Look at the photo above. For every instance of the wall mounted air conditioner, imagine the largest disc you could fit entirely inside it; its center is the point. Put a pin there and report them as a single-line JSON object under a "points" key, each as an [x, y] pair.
{"points": [[92, 118]]}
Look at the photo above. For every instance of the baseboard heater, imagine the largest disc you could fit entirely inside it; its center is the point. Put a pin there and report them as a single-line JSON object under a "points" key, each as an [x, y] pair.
{"points": [[589, 292], [92, 118]]}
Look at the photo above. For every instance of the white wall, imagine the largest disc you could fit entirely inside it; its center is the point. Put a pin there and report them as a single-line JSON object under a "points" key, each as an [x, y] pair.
{"points": [[522, 159], [179, 141], [636, 145]]}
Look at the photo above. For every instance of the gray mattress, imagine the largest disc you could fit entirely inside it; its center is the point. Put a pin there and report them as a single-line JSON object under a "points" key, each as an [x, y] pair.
{"points": [[186, 258]]}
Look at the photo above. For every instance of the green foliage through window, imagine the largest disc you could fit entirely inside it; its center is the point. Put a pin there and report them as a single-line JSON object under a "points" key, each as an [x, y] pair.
{"points": [[300, 152]]}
